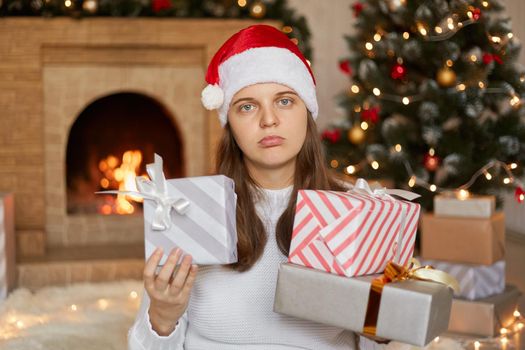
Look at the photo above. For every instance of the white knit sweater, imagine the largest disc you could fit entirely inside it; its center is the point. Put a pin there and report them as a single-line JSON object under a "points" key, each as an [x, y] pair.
{"points": [[232, 310]]}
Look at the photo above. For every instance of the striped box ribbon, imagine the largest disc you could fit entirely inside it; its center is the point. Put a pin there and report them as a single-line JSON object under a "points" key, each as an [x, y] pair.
{"points": [[475, 281], [207, 231], [352, 234]]}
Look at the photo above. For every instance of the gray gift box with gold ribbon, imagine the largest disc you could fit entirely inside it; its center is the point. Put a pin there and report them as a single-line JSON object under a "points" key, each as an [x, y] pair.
{"points": [[413, 312]]}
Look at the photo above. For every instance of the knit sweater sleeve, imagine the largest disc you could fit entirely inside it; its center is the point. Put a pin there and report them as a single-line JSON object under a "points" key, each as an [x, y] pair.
{"points": [[141, 335]]}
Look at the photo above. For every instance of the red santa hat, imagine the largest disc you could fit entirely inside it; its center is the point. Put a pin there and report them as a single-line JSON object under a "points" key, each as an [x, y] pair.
{"points": [[257, 54]]}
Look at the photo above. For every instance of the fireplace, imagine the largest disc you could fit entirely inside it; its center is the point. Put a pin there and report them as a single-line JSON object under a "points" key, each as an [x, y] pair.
{"points": [[110, 144]]}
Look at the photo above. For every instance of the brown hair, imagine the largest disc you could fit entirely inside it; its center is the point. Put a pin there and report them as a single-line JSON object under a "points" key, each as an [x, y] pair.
{"points": [[310, 173]]}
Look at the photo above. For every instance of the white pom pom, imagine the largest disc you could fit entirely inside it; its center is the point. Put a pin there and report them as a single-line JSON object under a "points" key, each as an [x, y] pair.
{"points": [[212, 97]]}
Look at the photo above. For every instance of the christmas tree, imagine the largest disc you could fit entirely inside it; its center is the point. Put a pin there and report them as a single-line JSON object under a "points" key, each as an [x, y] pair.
{"points": [[435, 96]]}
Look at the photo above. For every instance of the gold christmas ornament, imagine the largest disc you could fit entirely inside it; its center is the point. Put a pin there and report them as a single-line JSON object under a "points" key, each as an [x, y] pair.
{"points": [[258, 10], [446, 77], [90, 6], [356, 135]]}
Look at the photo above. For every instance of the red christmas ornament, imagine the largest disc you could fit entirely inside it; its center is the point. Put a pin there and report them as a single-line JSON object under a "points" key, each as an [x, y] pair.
{"points": [[331, 135], [398, 71], [159, 5], [431, 163], [519, 194], [476, 14], [488, 58], [370, 115], [357, 7], [345, 67]]}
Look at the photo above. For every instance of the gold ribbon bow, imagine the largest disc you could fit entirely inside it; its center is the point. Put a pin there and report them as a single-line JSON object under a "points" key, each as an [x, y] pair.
{"points": [[395, 273]]}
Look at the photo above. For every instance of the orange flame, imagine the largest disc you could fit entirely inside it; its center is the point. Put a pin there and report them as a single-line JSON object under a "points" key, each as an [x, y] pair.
{"points": [[122, 177]]}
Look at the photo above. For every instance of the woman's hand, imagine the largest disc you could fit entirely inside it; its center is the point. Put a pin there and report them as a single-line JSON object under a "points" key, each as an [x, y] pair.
{"points": [[169, 294]]}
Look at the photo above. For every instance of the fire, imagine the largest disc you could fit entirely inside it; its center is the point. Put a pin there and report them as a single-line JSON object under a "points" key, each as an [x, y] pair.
{"points": [[122, 177]]}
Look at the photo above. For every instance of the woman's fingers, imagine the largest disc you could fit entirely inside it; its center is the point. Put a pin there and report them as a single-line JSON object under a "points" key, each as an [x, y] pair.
{"points": [[180, 277], [166, 272], [150, 267], [189, 281]]}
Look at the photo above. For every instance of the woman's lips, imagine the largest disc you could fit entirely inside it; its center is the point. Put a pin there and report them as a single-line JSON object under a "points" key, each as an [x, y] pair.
{"points": [[271, 141]]}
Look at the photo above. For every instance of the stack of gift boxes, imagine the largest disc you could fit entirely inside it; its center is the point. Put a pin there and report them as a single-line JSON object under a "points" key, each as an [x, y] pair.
{"points": [[465, 236], [341, 244]]}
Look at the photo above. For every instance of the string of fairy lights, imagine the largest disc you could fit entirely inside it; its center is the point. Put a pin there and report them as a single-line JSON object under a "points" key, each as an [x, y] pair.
{"points": [[502, 341], [14, 324], [447, 78]]}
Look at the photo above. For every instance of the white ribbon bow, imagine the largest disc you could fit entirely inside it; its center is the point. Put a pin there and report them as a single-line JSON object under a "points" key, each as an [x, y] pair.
{"points": [[156, 190], [362, 186]]}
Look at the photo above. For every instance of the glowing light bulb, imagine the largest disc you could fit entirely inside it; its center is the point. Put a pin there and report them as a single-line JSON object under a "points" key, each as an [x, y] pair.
{"points": [[350, 169], [369, 46], [406, 101], [103, 304], [355, 89], [436, 339], [481, 84], [503, 331], [398, 147], [375, 165], [433, 188], [412, 181], [516, 313], [477, 344], [364, 125], [514, 101], [485, 3], [406, 35], [506, 181], [73, 307], [514, 166], [431, 151], [377, 37], [488, 176], [334, 163], [438, 29], [463, 194], [504, 340], [376, 91], [461, 87], [133, 294]]}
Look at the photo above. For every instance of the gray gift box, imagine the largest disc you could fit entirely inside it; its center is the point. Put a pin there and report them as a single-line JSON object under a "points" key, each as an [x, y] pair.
{"points": [[413, 312], [484, 317]]}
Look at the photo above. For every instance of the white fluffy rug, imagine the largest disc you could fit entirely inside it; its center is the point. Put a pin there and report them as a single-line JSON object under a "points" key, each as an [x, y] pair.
{"points": [[80, 317], [89, 317]]}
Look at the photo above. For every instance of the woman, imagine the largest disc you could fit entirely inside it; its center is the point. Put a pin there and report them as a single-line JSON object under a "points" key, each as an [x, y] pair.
{"points": [[265, 93]]}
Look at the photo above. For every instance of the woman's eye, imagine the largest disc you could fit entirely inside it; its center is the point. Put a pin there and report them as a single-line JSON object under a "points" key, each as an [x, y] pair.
{"points": [[286, 101], [246, 108]]}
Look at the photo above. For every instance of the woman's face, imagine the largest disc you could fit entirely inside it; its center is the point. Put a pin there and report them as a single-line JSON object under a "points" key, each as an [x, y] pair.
{"points": [[269, 123]]}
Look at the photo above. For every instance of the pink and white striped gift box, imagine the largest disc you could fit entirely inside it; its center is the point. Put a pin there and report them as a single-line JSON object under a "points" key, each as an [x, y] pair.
{"points": [[352, 233]]}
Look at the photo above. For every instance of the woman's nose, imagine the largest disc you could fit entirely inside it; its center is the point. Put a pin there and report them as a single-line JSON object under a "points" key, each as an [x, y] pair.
{"points": [[269, 117]]}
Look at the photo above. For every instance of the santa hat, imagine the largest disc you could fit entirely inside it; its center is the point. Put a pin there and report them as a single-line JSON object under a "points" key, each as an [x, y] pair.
{"points": [[257, 54]]}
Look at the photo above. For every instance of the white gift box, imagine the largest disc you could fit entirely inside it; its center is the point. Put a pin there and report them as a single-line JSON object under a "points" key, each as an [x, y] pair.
{"points": [[195, 214], [473, 206], [475, 281]]}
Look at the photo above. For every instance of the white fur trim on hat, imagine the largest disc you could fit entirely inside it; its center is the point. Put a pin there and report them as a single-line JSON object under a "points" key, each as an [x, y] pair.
{"points": [[265, 65], [212, 97]]}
